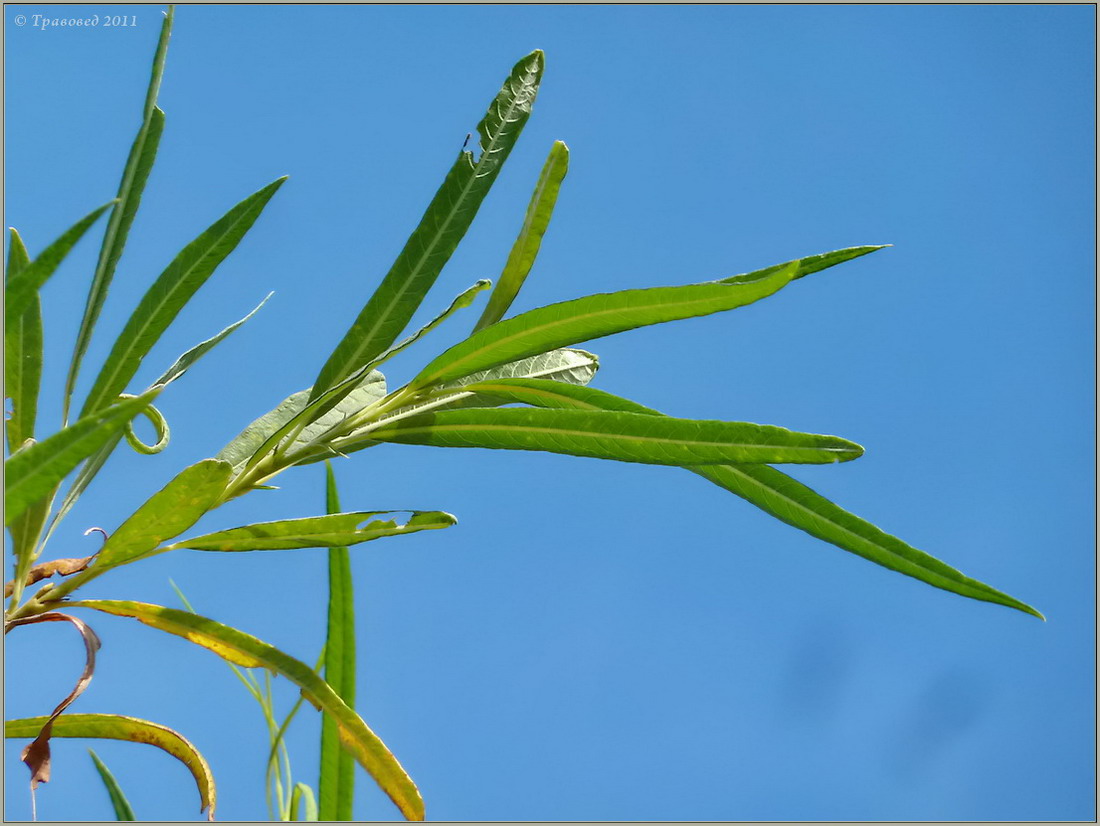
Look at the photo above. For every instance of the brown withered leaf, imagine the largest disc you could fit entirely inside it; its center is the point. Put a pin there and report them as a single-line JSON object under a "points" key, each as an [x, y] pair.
{"points": [[44, 570], [37, 754]]}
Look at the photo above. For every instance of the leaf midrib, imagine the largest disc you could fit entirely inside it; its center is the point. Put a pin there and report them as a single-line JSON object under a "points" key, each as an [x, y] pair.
{"points": [[589, 434]]}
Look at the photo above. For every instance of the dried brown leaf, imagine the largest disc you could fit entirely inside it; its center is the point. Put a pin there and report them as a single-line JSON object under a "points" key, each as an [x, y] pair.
{"points": [[37, 754]]}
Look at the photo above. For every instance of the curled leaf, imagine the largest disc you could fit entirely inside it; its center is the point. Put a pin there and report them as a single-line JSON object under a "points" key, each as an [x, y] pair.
{"points": [[37, 754]]}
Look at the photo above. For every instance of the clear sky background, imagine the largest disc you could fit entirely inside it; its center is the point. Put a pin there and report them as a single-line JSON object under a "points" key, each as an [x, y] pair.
{"points": [[598, 640]]}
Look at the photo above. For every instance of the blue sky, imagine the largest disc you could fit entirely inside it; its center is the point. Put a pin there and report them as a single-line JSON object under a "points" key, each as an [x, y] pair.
{"points": [[595, 640]]}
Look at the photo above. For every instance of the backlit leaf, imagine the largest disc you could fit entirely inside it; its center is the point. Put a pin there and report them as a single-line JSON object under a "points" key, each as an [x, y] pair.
{"points": [[443, 225], [130, 729], [368, 750]]}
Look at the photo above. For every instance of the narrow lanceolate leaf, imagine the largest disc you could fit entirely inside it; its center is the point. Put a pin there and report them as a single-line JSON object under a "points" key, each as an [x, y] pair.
{"points": [[130, 729], [32, 472], [22, 377], [22, 287], [595, 316], [443, 225], [184, 362], [526, 247], [22, 355], [336, 783], [776, 494], [336, 530], [243, 649], [170, 292], [168, 513], [135, 173], [626, 437], [122, 807], [790, 501]]}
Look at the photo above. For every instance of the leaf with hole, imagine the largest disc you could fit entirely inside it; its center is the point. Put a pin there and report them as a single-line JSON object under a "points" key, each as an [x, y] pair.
{"points": [[334, 530]]}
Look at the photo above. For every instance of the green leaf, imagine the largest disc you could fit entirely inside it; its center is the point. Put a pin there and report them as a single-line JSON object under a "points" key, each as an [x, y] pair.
{"points": [[243, 649], [626, 437], [170, 292], [332, 531], [143, 153], [595, 316], [302, 802], [816, 263], [160, 425], [177, 506], [33, 471], [568, 365], [22, 356], [131, 729], [184, 362], [443, 225], [22, 377], [22, 287], [778, 495], [336, 784], [526, 248], [122, 807]]}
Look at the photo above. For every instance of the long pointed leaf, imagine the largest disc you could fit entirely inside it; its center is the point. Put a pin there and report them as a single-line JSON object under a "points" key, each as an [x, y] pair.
{"points": [[336, 782], [22, 355], [22, 378], [32, 472], [626, 437], [595, 316], [332, 531], [443, 225], [184, 362], [170, 292], [130, 729], [122, 807], [135, 173], [22, 287], [526, 248], [228, 643], [777, 494]]}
